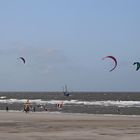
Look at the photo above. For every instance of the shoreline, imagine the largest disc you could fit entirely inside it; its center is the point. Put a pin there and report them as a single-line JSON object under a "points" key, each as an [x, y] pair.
{"points": [[59, 112]]}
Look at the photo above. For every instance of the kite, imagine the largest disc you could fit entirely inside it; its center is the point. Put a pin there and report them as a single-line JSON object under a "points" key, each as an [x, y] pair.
{"points": [[22, 59], [114, 59], [138, 65]]}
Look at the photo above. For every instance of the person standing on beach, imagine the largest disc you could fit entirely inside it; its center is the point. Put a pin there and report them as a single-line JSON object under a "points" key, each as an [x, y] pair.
{"points": [[7, 109], [34, 109], [45, 108], [27, 106]]}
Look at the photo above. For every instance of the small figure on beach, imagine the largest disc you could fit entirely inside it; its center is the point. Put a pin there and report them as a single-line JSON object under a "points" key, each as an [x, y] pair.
{"points": [[7, 109], [27, 106], [45, 108], [34, 109], [119, 111]]}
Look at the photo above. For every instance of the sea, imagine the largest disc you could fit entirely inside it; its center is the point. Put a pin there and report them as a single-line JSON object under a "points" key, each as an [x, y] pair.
{"points": [[123, 103]]}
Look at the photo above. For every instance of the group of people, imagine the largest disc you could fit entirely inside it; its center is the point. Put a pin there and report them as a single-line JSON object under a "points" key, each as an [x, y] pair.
{"points": [[59, 105], [28, 107]]}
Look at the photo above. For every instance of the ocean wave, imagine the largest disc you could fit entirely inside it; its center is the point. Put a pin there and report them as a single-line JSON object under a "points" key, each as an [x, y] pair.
{"points": [[2, 97], [75, 102]]}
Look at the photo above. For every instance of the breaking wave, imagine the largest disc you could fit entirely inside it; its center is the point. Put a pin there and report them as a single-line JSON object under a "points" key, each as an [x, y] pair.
{"points": [[74, 102]]}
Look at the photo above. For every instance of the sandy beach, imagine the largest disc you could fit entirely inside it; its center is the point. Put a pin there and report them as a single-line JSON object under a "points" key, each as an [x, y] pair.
{"points": [[52, 126]]}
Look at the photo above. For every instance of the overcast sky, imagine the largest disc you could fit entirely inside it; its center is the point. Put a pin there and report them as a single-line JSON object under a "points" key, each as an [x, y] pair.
{"points": [[64, 41]]}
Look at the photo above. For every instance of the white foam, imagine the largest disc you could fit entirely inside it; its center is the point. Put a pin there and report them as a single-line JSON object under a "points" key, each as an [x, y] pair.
{"points": [[75, 102], [3, 97]]}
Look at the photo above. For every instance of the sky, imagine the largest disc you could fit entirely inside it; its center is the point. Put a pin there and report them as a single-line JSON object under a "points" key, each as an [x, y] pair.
{"points": [[64, 41]]}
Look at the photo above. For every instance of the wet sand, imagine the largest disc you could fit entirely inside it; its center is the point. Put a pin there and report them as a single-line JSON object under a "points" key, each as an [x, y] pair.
{"points": [[57, 126]]}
